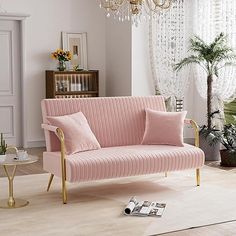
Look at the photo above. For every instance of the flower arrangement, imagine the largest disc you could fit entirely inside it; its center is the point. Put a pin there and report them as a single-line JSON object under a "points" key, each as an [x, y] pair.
{"points": [[61, 56]]}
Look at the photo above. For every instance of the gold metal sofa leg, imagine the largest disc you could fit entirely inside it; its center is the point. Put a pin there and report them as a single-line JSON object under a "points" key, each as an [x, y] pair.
{"points": [[64, 193], [64, 190], [165, 174], [63, 179], [198, 176], [60, 135], [196, 135], [50, 182]]}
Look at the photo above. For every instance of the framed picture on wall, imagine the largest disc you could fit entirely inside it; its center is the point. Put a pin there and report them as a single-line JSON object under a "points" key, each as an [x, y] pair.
{"points": [[76, 43]]}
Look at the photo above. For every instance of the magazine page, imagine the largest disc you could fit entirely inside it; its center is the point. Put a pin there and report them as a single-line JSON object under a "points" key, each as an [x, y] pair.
{"points": [[138, 209], [157, 209], [144, 208]]}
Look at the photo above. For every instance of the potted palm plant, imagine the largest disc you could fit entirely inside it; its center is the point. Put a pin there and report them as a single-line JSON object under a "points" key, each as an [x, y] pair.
{"points": [[212, 58]]}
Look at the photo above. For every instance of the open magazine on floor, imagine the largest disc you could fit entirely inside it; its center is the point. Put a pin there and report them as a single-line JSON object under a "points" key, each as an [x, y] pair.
{"points": [[144, 208]]}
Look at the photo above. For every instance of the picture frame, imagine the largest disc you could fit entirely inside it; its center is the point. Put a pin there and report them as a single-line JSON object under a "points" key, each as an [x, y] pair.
{"points": [[76, 43]]}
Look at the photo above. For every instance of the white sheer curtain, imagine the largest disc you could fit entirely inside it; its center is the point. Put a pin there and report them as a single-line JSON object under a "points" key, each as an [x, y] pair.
{"points": [[211, 18], [169, 34]]}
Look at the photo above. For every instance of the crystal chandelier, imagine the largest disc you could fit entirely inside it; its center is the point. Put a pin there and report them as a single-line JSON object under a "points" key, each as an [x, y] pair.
{"points": [[133, 9]]}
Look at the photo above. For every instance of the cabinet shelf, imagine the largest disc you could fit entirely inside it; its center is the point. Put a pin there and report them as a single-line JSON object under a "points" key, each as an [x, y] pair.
{"points": [[76, 92], [72, 84]]}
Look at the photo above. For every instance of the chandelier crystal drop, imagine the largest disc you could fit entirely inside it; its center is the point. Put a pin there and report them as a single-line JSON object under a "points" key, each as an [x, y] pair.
{"points": [[123, 10]]}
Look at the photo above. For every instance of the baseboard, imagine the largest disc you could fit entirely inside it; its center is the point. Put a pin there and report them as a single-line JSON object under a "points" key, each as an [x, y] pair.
{"points": [[33, 144]]}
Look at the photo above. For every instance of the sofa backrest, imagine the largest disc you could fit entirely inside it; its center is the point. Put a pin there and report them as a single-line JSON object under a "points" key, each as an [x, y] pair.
{"points": [[115, 121]]}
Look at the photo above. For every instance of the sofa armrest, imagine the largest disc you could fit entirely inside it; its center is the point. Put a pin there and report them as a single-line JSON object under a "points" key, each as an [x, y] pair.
{"points": [[59, 133], [49, 128], [196, 130]]}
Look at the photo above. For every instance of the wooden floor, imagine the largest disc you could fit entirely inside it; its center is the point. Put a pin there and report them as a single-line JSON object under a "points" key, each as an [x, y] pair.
{"points": [[224, 229]]}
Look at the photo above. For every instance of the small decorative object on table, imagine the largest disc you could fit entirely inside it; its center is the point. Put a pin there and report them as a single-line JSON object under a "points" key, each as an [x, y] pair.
{"points": [[21, 155], [62, 57], [76, 68], [3, 149]]}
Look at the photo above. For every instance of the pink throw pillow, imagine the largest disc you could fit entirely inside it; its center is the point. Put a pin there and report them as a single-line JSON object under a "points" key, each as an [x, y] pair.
{"points": [[78, 135], [164, 128]]}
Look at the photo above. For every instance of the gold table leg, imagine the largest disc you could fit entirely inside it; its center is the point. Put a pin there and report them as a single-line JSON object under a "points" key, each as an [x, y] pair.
{"points": [[11, 202]]}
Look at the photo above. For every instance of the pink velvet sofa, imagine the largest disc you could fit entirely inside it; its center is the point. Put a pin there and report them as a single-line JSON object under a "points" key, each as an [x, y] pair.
{"points": [[118, 124]]}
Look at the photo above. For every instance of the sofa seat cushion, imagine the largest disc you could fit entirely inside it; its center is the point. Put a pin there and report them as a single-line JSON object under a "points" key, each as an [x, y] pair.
{"points": [[114, 162]]}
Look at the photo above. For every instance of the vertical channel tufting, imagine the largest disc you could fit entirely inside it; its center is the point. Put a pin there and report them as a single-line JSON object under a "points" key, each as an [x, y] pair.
{"points": [[122, 161], [115, 121], [118, 123]]}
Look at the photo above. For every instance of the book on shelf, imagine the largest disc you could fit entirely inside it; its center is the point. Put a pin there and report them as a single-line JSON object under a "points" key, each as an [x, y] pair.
{"points": [[144, 208]]}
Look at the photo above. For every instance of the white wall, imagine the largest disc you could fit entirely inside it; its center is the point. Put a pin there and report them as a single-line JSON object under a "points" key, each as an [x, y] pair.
{"points": [[118, 58], [128, 63], [43, 35], [142, 81]]}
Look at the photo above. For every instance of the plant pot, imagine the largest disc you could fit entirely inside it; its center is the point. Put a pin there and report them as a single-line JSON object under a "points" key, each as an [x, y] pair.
{"points": [[212, 152], [228, 158], [2, 158]]}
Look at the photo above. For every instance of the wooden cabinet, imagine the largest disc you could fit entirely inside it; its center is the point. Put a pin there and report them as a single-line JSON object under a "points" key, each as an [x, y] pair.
{"points": [[72, 84]]}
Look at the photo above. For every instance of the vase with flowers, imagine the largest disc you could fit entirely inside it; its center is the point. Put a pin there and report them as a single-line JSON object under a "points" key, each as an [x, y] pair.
{"points": [[62, 56]]}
